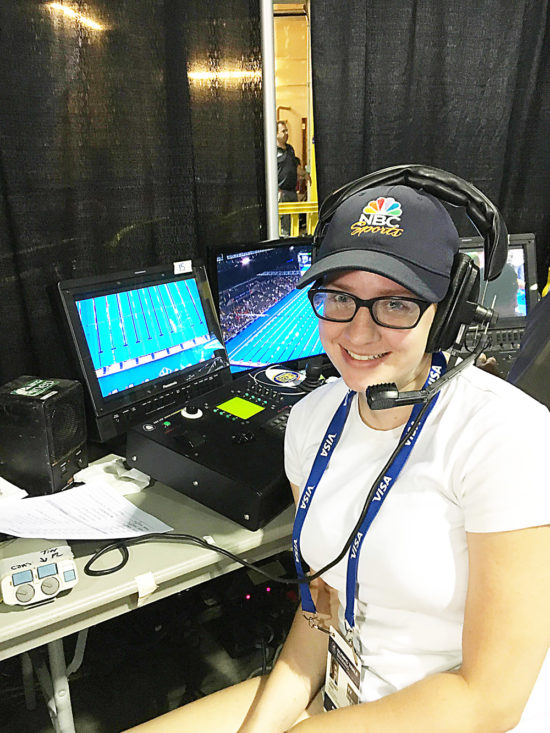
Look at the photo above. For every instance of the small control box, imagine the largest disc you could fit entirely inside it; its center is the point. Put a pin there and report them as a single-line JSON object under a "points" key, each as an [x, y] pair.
{"points": [[35, 571]]}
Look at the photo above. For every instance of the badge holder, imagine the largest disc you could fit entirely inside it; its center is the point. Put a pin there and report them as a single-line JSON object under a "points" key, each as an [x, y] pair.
{"points": [[343, 675]]}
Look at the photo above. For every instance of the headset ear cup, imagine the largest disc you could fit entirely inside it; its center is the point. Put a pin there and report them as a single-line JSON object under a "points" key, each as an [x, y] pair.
{"points": [[452, 312]]}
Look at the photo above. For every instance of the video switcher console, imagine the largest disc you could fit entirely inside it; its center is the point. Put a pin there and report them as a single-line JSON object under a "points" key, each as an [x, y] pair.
{"points": [[224, 449]]}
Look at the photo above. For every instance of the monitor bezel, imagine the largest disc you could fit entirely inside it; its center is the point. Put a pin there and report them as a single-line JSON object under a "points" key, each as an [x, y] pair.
{"points": [[70, 291], [527, 242]]}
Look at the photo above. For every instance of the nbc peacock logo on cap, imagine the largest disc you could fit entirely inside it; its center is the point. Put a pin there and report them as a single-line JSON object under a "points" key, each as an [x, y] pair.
{"points": [[379, 216]]}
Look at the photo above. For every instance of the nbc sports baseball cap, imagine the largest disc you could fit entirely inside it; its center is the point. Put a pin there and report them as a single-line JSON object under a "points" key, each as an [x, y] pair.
{"points": [[399, 232]]}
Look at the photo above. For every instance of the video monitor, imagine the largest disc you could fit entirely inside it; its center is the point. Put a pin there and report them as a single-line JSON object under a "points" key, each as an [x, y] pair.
{"points": [[515, 291], [264, 318], [140, 338]]}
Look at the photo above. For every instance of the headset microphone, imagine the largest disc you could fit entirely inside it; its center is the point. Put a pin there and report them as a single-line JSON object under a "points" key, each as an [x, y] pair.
{"points": [[385, 396]]}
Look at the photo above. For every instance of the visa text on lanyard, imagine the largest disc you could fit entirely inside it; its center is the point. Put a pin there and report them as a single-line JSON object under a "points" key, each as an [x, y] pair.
{"points": [[326, 449]]}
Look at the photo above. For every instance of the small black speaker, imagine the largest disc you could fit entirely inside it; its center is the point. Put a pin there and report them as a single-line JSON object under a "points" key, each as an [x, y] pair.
{"points": [[42, 433]]}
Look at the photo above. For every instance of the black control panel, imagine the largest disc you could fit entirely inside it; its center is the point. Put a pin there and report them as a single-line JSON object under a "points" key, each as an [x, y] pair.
{"points": [[224, 449], [116, 423], [503, 346]]}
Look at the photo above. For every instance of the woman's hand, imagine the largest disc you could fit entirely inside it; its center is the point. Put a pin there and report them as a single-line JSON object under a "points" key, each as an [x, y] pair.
{"points": [[488, 364]]}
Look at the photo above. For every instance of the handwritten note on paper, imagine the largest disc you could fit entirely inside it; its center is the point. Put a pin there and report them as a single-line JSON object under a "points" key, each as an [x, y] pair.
{"points": [[82, 513]]}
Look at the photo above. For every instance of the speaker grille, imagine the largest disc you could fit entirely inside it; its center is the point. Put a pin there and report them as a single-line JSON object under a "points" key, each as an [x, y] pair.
{"points": [[68, 428]]}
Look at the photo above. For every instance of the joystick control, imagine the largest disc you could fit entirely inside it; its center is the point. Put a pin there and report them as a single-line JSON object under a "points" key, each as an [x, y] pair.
{"points": [[314, 375]]}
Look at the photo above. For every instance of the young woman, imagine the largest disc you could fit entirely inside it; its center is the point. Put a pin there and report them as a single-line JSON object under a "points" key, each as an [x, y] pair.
{"points": [[437, 618]]}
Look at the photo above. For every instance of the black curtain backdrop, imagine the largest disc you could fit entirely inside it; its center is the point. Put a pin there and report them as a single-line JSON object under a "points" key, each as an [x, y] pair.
{"points": [[111, 158], [227, 119], [459, 86]]}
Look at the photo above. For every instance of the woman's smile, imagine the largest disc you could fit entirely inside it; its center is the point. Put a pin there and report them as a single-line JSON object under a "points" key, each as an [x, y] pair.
{"points": [[365, 353]]}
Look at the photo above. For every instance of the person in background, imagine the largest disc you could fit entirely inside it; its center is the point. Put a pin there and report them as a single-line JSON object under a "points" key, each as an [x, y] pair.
{"points": [[438, 616], [287, 172]]}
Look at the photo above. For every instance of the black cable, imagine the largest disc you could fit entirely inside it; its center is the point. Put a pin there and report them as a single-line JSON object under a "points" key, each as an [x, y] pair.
{"points": [[122, 545], [432, 394], [371, 494]]}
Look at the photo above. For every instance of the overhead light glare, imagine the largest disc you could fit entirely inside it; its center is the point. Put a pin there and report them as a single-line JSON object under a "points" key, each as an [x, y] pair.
{"points": [[224, 75], [69, 12]]}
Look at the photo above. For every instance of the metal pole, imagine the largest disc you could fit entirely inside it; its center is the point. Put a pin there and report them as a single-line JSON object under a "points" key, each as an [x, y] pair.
{"points": [[270, 113], [64, 722]]}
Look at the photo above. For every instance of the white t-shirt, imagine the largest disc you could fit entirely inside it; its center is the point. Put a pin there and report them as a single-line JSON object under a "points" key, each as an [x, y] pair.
{"points": [[479, 465]]}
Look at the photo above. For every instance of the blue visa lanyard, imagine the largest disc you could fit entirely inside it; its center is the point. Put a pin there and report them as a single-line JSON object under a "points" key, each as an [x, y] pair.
{"points": [[332, 436], [329, 443]]}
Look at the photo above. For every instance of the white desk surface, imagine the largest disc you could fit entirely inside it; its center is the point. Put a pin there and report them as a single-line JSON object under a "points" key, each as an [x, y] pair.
{"points": [[175, 566]]}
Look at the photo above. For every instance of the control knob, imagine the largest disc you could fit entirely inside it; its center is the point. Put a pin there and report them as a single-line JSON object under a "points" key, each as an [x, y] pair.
{"points": [[191, 412]]}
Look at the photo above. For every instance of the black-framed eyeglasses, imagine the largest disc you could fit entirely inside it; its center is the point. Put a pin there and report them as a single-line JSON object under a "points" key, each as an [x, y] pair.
{"points": [[394, 311]]}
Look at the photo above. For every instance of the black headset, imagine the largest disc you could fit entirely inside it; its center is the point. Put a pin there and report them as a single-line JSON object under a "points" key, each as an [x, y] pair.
{"points": [[460, 305]]}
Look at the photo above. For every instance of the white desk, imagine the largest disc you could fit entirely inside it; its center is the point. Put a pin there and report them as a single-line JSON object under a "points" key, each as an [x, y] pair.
{"points": [[175, 567]]}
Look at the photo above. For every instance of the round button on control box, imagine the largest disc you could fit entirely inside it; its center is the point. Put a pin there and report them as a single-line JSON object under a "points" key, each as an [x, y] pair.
{"points": [[25, 593], [49, 586]]}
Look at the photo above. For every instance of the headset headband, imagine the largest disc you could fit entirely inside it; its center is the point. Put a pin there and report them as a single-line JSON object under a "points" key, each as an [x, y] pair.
{"points": [[448, 188]]}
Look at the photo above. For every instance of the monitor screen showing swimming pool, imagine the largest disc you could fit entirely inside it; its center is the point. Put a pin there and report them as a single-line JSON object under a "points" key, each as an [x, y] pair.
{"points": [[264, 318], [140, 336]]}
